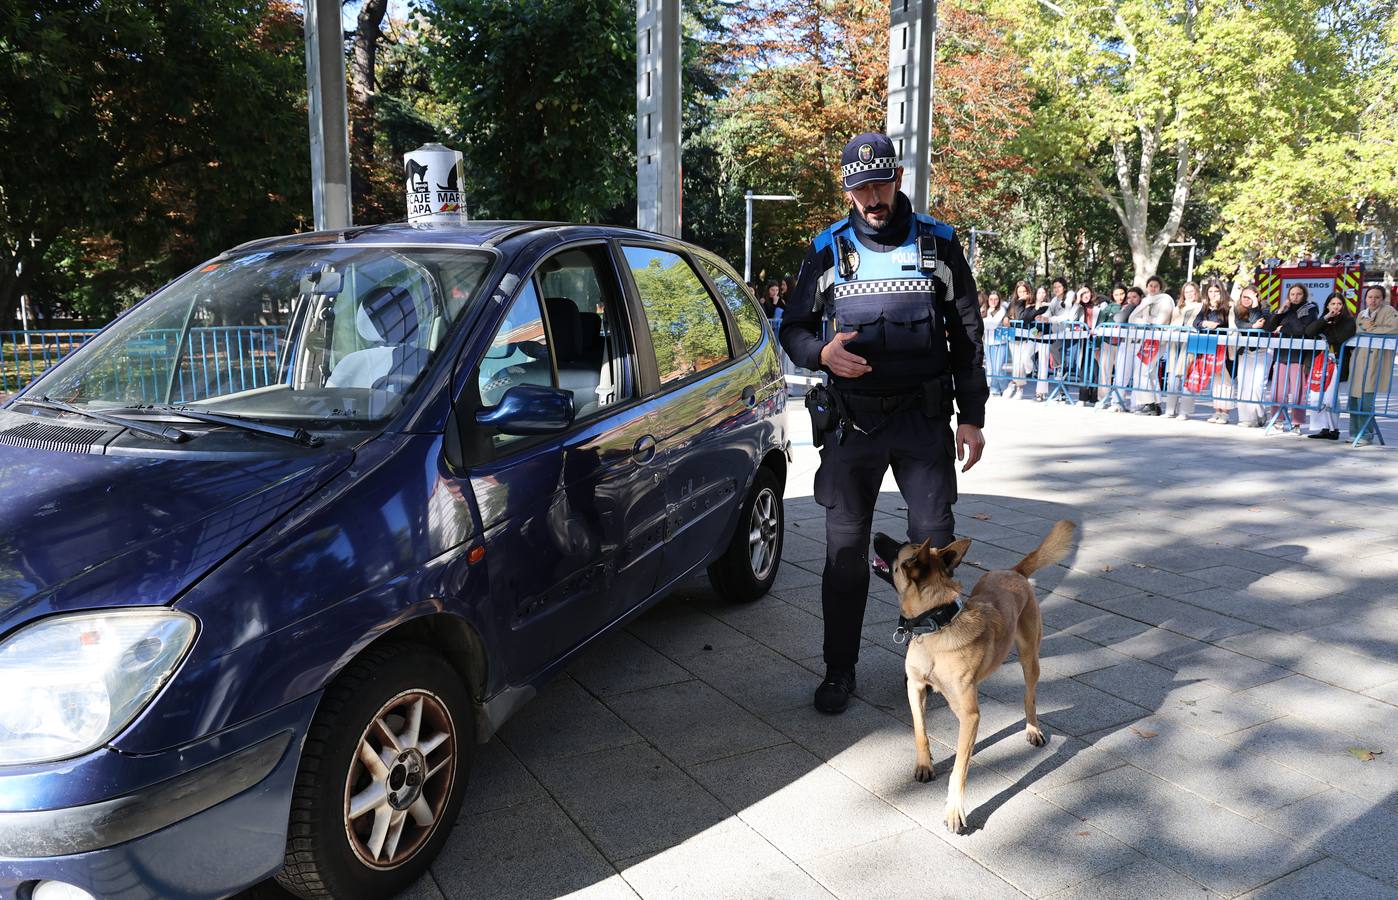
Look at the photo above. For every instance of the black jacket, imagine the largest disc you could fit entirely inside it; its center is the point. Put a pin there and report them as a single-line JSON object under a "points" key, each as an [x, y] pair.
{"points": [[1335, 334], [1292, 323], [801, 323]]}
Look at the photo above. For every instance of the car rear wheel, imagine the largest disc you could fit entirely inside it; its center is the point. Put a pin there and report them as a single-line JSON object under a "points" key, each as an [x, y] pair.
{"points": [[748, 567], [382, 776]]}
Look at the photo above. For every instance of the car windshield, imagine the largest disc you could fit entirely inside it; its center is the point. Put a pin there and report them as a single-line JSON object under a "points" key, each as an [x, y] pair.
{"points": [[327, 333]]}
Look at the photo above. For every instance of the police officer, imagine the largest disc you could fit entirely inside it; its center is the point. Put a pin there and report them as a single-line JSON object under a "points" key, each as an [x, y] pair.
{"points": [[904, 342]]}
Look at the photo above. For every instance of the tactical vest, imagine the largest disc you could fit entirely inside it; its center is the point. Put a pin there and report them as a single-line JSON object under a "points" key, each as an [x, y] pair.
{"points": [[890, 299]]}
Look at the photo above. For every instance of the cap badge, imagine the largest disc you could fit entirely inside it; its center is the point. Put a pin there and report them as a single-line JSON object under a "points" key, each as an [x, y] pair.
{"points": [[866, 152]]}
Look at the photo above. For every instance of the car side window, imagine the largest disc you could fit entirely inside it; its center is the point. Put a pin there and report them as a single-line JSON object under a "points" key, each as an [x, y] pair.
{"points": [[518, 353], [686, 326], [583, 309], [740, 304]]}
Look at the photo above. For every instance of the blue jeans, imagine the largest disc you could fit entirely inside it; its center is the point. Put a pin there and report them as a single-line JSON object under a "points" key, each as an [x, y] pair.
{"points": [[1361, 414], [997, 361]]}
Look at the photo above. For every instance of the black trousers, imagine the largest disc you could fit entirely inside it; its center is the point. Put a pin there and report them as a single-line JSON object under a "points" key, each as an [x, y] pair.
{"points": [[922, 454]]}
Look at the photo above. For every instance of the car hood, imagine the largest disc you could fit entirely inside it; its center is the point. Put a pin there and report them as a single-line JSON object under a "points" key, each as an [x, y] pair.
{"points": [[83, 531]]}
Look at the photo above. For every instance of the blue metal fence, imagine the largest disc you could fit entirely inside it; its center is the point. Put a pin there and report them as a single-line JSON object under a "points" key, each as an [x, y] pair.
{"points": [[216, 360], [1265, 380]]}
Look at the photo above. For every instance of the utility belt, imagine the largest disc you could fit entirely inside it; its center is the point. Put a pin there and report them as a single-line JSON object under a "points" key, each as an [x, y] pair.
{"points": [[837, 411]]}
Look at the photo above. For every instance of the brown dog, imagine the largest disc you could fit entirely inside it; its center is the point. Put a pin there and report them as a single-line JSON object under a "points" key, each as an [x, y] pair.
{"points": [[952, 647]]}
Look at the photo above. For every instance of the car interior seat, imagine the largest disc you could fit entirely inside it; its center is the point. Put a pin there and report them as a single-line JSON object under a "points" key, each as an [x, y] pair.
{"points": [[387, 319], [578, 348]]}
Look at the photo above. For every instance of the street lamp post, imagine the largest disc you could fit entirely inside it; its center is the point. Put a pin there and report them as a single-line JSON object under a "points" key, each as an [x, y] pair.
{"points": [[1189, 275], [971, 250], [747, 237]]}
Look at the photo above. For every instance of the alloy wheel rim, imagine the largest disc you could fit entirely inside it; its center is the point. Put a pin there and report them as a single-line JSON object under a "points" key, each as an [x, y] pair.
{"points": [[763, 533], [401, 778]]}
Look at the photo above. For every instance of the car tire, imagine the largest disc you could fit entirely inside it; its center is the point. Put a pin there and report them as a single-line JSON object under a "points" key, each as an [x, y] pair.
{"points": [[749, 565], [357, 829]]}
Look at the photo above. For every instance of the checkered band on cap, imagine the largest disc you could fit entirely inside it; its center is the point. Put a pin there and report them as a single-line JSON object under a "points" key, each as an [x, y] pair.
{"points": [[884, 286], [883, 162]]}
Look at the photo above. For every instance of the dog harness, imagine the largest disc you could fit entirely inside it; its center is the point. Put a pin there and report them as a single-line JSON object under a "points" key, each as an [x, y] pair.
{"points": [[930, 622]]}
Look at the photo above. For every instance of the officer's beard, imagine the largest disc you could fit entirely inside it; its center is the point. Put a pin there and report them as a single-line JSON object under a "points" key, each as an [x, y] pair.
{"points": [[895, 227]]}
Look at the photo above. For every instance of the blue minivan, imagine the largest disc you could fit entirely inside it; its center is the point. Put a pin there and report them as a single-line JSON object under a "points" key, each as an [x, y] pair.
{"points": [[288, 539]]}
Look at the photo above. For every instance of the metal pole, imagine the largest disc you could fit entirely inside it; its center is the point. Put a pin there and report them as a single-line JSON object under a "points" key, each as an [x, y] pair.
{"points": [[911, 51], [1190, 275], [328, 111], [747, 243]]}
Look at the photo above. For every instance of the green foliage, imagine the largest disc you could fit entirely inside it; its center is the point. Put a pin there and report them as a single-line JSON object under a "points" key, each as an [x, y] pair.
{"points": [[142, 138], [545, 101]]}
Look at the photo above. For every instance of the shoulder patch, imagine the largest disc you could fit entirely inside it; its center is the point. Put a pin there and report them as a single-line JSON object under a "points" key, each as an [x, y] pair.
{"points": [[940, 229]]}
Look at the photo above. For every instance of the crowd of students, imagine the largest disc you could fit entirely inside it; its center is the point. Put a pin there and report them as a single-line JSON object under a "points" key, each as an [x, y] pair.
{"points": [[1154, 369]]}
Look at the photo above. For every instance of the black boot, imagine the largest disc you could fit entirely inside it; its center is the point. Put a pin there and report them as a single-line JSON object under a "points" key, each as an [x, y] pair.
{"points": [[833, 694]]}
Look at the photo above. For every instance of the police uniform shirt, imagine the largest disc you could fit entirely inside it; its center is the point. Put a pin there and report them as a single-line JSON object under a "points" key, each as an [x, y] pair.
{"points": [[960, 313]]}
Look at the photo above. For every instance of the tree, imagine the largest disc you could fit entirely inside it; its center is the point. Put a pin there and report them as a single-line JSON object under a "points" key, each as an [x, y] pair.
{"points": [[154, 135], [1327, 182], [1168, 89], [545, 103]]}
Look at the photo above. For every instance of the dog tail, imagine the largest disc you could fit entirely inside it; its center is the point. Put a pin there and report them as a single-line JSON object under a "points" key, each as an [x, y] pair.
{"points": [[1054, 548]]}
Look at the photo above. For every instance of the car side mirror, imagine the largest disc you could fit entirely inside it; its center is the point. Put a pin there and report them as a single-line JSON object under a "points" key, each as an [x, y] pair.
{"points": [[529, 409]]}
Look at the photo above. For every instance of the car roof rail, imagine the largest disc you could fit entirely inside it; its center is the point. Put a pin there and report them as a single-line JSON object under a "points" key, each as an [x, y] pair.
{"points": [[518, 229]]}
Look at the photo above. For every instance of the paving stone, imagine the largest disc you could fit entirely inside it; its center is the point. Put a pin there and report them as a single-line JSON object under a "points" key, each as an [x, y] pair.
{"points": [[1091, 588], [1146, 685], [1347, 827], [787, 629], [1323, 753], [679, 632], [1062, 760], [1029, 842], [800, 547], [630, 800], [620, 662], [1270, 613], [1075, 708], [729, 860], [1203, 841], [1153, 580], [1217, 714], [795, 576], [1211, 768], [1359, 637], [1068, 654], [1142, 878], [1388, 693], [1307, 656], [691, 722], [1059, 611], [564, 720], [1179, 617], [498, 780], [1323, 704], [911, 865], [1107, 628], [1324, 880], [771, 791], [528, 851], [757, 678]]}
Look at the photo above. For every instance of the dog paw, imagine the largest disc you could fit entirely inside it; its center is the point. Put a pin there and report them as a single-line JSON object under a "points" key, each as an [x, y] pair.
{"points": [[956, 820], [924, 774], [1034, 736]]}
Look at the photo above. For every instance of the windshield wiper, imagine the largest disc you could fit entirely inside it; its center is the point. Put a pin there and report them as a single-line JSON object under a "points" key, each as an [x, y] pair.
{"points": [[295, 435], [163, 432]]}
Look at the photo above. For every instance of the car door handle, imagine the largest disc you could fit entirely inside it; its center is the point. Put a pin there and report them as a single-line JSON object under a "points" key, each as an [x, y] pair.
{"points": [[750, 395], [644, 450]]}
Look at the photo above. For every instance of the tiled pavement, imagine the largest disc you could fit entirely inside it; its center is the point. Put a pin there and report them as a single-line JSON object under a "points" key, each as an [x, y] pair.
{"points": [[1221, 639]]}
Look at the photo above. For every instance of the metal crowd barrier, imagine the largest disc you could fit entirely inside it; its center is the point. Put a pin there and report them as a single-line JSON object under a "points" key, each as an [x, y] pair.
{"points": [[216, 360], [1264, 379]]}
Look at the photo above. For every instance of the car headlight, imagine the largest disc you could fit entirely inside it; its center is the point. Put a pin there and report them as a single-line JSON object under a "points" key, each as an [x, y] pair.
{"points": [[71, 682]]}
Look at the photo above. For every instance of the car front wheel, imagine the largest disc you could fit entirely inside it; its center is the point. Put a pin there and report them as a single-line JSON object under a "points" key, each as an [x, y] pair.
{"points": [[749, 565], [382, 776]]}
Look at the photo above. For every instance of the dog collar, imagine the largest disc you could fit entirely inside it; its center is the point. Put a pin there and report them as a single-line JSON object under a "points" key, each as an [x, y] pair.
{"points": [[930, 622]]}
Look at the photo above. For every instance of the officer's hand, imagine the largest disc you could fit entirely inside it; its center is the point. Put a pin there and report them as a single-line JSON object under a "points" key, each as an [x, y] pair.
{"points": [[969, 445], [837, 359]]}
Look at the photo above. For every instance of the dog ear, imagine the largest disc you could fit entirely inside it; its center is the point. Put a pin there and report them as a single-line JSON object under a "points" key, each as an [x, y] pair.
{"points": [[953, 553], [916, 566]]}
